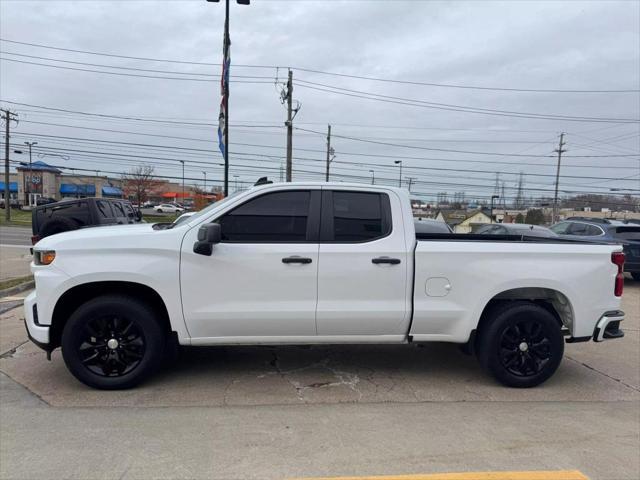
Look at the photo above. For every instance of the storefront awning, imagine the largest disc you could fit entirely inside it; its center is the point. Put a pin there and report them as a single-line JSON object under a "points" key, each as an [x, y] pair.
{"points": [[13, 187], [74, 189], [176, 194], [108, 191]]}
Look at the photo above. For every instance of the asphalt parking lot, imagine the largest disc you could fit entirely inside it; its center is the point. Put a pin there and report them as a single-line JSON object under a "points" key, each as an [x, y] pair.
{"points": [[279, 412]]}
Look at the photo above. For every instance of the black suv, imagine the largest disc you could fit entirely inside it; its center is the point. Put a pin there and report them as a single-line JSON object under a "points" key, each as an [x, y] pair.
{"points": [[74, 213]]}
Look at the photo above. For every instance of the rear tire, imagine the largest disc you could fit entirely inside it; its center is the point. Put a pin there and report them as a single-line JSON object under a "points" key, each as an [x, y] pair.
{"points": [[520, 344], [113, 342]]}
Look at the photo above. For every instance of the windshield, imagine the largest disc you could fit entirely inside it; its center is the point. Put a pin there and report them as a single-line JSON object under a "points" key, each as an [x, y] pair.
{"points": [[206, 210]]}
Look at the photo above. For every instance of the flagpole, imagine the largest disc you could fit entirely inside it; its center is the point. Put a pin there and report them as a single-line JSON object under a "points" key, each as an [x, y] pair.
{"points": [[227, 42]]}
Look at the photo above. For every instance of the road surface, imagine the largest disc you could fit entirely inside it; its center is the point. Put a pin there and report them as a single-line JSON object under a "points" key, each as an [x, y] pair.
{"points": [[14, 252]]}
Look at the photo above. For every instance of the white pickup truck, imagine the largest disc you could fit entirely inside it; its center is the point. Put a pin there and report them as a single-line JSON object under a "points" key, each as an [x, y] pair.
{"points": [[311, 263]]}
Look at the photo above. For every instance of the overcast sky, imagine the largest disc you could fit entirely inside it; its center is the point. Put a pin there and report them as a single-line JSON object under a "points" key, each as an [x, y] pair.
{"points": [[585, 46]]}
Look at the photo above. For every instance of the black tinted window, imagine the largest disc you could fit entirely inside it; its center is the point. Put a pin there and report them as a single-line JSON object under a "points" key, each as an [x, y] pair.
{"points": [[274, 217], [359, 217], [628, 233], [118, 209], [77, 211], [104, 209]]}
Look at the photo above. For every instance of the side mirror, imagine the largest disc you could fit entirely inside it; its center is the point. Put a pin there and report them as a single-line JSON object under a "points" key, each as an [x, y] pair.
{"points": [[208, 236]]}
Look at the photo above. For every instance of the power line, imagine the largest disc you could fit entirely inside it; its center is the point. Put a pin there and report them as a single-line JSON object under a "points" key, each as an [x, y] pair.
{"points": [[472, 152], [335, 74], [130, 74], [207, 152], [456, 108]]}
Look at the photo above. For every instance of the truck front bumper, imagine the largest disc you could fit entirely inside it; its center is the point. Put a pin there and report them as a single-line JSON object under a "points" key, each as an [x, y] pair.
{"points": [[38, 334], [608, 327]]}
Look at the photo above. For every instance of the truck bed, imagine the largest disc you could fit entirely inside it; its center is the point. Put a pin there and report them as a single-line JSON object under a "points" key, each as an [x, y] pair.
{"points": [[471, 237]]}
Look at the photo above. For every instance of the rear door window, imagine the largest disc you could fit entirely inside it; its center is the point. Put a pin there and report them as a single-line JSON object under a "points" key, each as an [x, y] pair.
{"points": [[578, 229], [354, 217], [561, 228], [104, 210], [118, 209]]}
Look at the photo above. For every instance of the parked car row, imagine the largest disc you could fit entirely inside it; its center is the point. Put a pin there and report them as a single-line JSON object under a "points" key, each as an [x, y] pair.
{"points": [[584, 229]]}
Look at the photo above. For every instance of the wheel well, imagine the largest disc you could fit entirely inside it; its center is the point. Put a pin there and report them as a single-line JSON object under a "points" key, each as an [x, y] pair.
{"points": [[553, 301], [72, 299]]}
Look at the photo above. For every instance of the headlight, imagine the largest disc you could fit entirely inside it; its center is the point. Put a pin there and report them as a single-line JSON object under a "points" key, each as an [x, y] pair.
{"points": [[44, 257]]}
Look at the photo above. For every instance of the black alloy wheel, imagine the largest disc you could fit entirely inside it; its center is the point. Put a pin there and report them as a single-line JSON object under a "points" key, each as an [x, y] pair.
{"points": [[525, 348], [113, 342], [113, 346], [520, 343]]}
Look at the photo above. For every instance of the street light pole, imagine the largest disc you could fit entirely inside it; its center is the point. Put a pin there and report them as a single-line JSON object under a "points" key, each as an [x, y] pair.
{"points": [[373, 177], [182, 162], [399, 162], [493, 197], [205, 182]]}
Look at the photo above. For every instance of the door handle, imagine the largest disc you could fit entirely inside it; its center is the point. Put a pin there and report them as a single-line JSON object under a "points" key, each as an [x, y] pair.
{"points": [[296, 259], [389, 260]]}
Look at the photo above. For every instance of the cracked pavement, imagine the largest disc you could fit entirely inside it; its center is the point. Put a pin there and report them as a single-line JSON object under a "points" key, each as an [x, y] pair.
{"points": [[276, 412]]}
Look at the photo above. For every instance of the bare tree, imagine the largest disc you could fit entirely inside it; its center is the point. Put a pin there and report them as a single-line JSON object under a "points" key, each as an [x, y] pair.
{"points": [[139, 182]]}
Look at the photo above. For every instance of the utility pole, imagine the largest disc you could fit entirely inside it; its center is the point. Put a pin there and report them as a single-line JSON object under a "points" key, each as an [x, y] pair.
{"points": [[328, 150], [289, 125], [411, 179], [373, 177], [8, 116], [559, 151], [205, 182]]}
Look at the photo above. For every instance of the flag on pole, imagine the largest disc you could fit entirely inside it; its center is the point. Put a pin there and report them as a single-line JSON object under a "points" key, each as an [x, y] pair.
{"points": [[224, 91]]}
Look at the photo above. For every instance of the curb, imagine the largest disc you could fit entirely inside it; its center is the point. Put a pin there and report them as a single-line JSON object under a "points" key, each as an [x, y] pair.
{"points": [[17, 288]]}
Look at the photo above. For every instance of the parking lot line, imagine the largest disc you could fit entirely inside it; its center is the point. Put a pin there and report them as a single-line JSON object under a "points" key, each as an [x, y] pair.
{"points": [[531, 475]]}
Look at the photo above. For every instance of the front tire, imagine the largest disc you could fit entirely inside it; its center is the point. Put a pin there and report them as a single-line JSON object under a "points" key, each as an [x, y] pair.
{"points": [[113, 342], [159, 210], [520, 344]]}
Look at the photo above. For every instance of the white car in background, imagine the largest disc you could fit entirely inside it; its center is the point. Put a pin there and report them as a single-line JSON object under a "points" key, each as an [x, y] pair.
{"points": [[168, 208]]}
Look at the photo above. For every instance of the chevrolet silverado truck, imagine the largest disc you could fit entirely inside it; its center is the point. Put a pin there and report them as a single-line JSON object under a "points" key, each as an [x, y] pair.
{"points": [[316, 263]]}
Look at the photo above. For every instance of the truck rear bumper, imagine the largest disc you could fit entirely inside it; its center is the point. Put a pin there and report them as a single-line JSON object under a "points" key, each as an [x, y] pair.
{"points": [[38, 334], [608, 327]]}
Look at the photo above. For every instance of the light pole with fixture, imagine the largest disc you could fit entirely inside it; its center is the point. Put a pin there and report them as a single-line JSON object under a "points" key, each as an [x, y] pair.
{"points": [[373, 177], [182, 162], [493, 197], [399, 162]]}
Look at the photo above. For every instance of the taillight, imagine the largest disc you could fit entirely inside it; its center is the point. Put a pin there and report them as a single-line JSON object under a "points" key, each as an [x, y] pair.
{"points": [[617, 258]]}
